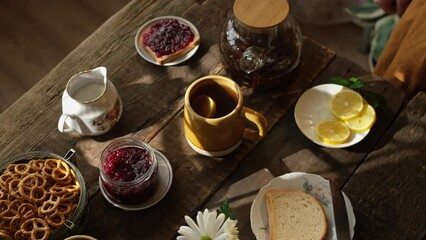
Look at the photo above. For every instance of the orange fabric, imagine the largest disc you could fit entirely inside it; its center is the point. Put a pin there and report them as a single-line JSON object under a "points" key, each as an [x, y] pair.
{"points": [[403, 61]]}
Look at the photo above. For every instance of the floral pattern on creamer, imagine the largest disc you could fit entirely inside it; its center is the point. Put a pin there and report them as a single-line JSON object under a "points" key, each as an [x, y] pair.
{"points": [[319, 191], [108, 119]]}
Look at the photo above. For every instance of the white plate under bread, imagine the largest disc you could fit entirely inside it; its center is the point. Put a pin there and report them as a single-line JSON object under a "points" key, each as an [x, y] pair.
{"points": [[148, 57], [312, 184]]}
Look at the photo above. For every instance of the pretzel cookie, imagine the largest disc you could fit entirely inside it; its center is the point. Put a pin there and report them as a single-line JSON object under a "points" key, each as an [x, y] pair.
{"points": [[36, 198]]}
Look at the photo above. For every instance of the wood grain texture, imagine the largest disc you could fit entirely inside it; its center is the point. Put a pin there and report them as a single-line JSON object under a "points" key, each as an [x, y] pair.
{"points": [[387, 191], [152, 97], [286, 149], [196, 177], [37, 35], [287, 139], [55, 31], [240, 195]]}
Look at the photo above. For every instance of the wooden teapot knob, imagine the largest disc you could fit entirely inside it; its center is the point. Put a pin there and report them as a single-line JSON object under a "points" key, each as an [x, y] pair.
{"points": [[261, 13]]}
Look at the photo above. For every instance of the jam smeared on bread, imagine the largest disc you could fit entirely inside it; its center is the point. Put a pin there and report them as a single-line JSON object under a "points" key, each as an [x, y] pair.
{"points": [[294, 215], [168, 40]]}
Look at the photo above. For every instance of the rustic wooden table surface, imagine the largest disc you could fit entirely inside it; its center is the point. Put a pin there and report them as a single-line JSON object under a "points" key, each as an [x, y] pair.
{"points": [[384, 175]]}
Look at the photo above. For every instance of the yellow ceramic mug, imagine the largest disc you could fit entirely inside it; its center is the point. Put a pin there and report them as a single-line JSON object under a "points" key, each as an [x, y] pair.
{"points": [[220, 129]]}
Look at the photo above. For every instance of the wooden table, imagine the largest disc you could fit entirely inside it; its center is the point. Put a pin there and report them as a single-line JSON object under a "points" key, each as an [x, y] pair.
{"points": [[384, 175]]}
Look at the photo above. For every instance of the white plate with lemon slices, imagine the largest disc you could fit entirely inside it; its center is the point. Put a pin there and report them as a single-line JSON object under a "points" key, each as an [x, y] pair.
{"points": [[314, 107]]}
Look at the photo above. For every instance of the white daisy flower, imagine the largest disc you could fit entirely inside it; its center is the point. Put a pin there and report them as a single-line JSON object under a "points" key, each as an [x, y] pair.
{"points": [[209, 227]]}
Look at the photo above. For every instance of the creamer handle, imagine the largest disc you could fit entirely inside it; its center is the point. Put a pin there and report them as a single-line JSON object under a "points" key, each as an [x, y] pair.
{"points": [[62, 126]]}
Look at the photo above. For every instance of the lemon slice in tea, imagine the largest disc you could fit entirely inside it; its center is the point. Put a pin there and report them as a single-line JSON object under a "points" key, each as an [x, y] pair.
{"points": [[346, 104], [364, 120], [333, 131]]}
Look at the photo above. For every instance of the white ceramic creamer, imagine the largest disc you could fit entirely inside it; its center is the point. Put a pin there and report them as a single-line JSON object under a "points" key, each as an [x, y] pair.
{"points": [[90, 104]]}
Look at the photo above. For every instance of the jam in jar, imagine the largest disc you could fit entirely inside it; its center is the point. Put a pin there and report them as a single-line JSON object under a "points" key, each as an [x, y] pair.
{"points": [[129, 171], [261, 43]]}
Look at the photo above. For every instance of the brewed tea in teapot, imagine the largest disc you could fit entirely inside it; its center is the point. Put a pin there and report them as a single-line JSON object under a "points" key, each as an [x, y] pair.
{"points": [[261, 43]]}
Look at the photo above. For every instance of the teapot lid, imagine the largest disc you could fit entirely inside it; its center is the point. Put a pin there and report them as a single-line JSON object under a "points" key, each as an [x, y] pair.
{"points": [[261, 13]]}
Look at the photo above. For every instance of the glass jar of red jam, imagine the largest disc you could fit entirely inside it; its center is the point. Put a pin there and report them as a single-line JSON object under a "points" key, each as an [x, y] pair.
{"points": [[129, 171]]}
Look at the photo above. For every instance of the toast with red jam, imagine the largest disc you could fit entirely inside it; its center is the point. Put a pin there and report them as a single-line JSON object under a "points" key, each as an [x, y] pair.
{"points": [[168, 40]]}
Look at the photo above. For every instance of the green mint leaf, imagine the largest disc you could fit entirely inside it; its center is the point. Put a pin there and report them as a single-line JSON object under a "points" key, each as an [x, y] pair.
{"points": [[339, 81], [354, 79], [356, 83], [353, 83], [225, 209]]}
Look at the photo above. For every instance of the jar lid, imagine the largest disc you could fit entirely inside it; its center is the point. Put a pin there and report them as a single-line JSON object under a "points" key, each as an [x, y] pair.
{"points": [[261, 13]]}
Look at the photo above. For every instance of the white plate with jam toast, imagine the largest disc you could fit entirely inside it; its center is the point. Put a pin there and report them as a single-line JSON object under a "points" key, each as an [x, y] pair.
{"points": [[167, 40]]}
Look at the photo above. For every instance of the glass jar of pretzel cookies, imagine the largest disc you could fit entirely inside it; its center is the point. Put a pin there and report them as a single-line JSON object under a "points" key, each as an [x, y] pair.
{"points": [[42, 196], [128, 171]]}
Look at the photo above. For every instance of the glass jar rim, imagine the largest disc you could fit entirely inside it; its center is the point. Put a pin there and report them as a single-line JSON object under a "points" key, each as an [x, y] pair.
{"points": [[123, 143]]}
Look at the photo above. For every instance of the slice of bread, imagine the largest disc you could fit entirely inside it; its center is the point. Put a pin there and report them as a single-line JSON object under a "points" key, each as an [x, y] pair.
{"points": [[294, 215], [176, 55], [168, 40]]}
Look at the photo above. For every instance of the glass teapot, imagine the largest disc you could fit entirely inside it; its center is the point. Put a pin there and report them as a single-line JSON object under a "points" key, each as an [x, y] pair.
{"points": [[261, 43]]}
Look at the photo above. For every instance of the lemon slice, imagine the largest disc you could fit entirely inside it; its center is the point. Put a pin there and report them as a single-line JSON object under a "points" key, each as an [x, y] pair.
{"points": [[346, 104], [333, 131], [364, 120]]}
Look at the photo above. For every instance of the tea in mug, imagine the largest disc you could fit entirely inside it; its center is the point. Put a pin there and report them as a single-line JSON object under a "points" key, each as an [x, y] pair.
{"points": [[225, 99]]}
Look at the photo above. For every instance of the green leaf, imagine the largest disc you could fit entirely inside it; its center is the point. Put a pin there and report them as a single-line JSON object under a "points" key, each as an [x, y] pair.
{"points": [[353, 83], [339, 81], [225, 209], [357, 84]]}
